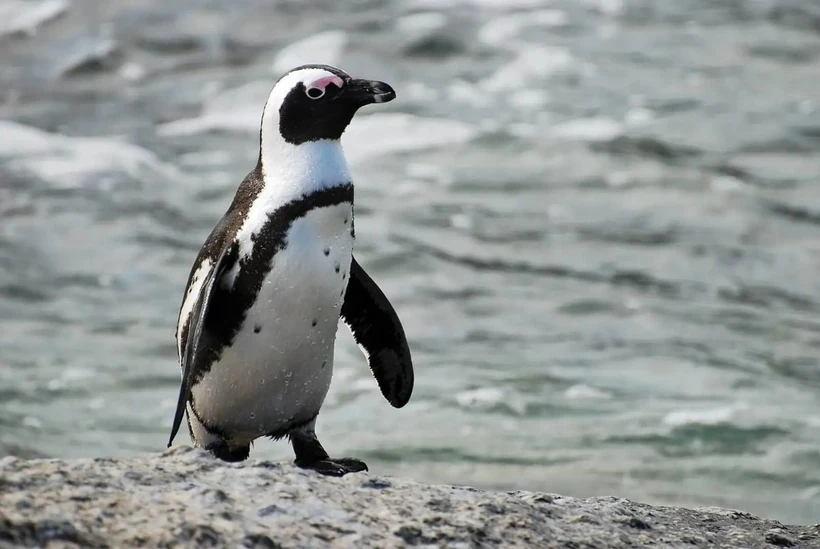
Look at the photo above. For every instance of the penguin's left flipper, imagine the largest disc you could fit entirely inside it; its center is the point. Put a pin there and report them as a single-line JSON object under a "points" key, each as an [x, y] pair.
{"points": [[195, 341], [378, 332]]}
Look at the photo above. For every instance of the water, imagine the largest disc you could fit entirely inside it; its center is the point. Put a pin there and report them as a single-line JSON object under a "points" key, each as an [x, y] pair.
{"points": [[598, 220]]}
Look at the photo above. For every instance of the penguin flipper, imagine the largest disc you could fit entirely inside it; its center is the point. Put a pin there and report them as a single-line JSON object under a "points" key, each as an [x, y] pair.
{"points": [[378, 332], [192, 344]]}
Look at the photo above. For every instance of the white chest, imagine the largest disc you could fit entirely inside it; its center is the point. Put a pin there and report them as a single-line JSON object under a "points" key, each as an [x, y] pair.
{"points": [[301, 297], [279, 366]]}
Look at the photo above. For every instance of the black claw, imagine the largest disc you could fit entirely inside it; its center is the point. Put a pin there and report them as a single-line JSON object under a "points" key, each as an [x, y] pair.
{"points": [[334, 467]]}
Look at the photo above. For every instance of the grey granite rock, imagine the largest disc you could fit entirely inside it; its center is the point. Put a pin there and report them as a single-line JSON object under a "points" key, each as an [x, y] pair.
{"points": [[184, 498]]}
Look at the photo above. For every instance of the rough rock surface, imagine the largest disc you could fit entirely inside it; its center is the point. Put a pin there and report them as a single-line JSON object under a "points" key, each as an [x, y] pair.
{"points": [[185, 498]]}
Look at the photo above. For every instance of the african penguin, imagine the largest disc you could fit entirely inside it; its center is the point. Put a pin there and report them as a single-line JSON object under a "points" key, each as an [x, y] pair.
{"points": [[258, 321]]}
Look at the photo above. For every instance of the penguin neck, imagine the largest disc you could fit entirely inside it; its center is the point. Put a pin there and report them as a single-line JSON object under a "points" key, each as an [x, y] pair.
{"points": [[288, 173], [292, 171]]}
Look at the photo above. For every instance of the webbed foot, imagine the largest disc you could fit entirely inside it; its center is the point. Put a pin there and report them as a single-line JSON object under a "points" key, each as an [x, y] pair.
{"points": [[311, 455], [334, 467]]}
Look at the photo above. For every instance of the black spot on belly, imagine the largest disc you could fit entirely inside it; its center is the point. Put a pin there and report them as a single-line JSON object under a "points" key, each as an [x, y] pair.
{"points": [[345, 221], [257, 328], [324, 363], [338, 267], [314, 323], [327, 251], [344, 275]]}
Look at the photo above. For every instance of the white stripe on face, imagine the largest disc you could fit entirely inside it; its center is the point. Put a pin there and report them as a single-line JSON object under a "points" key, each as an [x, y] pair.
{"points": [[285, 84]]}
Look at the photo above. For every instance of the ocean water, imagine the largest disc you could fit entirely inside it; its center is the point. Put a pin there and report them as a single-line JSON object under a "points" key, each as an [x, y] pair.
{"points": [[598, 219]]}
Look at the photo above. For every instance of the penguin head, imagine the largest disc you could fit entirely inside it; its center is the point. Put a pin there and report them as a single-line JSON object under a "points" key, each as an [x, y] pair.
{"points": [[317, 102]]}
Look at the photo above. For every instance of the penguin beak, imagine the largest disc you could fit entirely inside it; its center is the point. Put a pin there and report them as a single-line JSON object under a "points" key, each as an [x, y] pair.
{"points": [[364, 92]]}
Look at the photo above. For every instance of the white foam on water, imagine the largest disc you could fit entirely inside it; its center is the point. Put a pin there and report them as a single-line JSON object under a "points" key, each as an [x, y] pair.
{"points": [[325, 47], [461, 221], [434, 173], [708, 416], [227, 100], [383, 133], [499, 30], [468, 93], [588, 129], [237, 110], [807, 106], [69, 377], [810, 493], [585, 392], [132, 72], [419, 92], [483, 397], [488, 398], [529, 99], [491, 4], [638, 116], [618, 179], [32, 422], [362, 384], [243, 119], [206, 159], [509, 4], [87, 49], [534, 62], [725, 184], [20, 140], [344, 374], [611, 7], [17, 16], [59, 159], [421, 23]]}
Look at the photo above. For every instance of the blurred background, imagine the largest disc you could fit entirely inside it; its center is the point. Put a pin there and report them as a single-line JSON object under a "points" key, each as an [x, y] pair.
{"points": [[598, 219]]}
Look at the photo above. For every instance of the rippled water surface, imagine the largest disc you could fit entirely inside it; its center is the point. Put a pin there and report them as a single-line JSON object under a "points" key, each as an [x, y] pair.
{"points": [[598, 220]]}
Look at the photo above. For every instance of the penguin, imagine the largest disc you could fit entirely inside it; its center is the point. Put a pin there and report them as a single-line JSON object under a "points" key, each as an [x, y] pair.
{"points": [[258, 321]]}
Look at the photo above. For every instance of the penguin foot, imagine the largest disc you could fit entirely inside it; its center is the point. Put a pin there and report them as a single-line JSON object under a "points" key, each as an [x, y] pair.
{"points": [[311, 455], [334, 467], [220, 450]]}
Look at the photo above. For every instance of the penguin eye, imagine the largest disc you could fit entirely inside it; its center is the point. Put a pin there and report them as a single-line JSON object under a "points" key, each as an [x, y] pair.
{"points": [[315, 93]]}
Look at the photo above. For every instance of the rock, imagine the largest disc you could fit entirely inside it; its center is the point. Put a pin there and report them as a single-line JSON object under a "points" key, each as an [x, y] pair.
{"points": [[184, 497]]}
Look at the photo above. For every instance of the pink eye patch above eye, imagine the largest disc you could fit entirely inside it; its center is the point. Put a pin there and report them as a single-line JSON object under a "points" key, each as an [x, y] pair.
{"points": [[322, 83]]}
